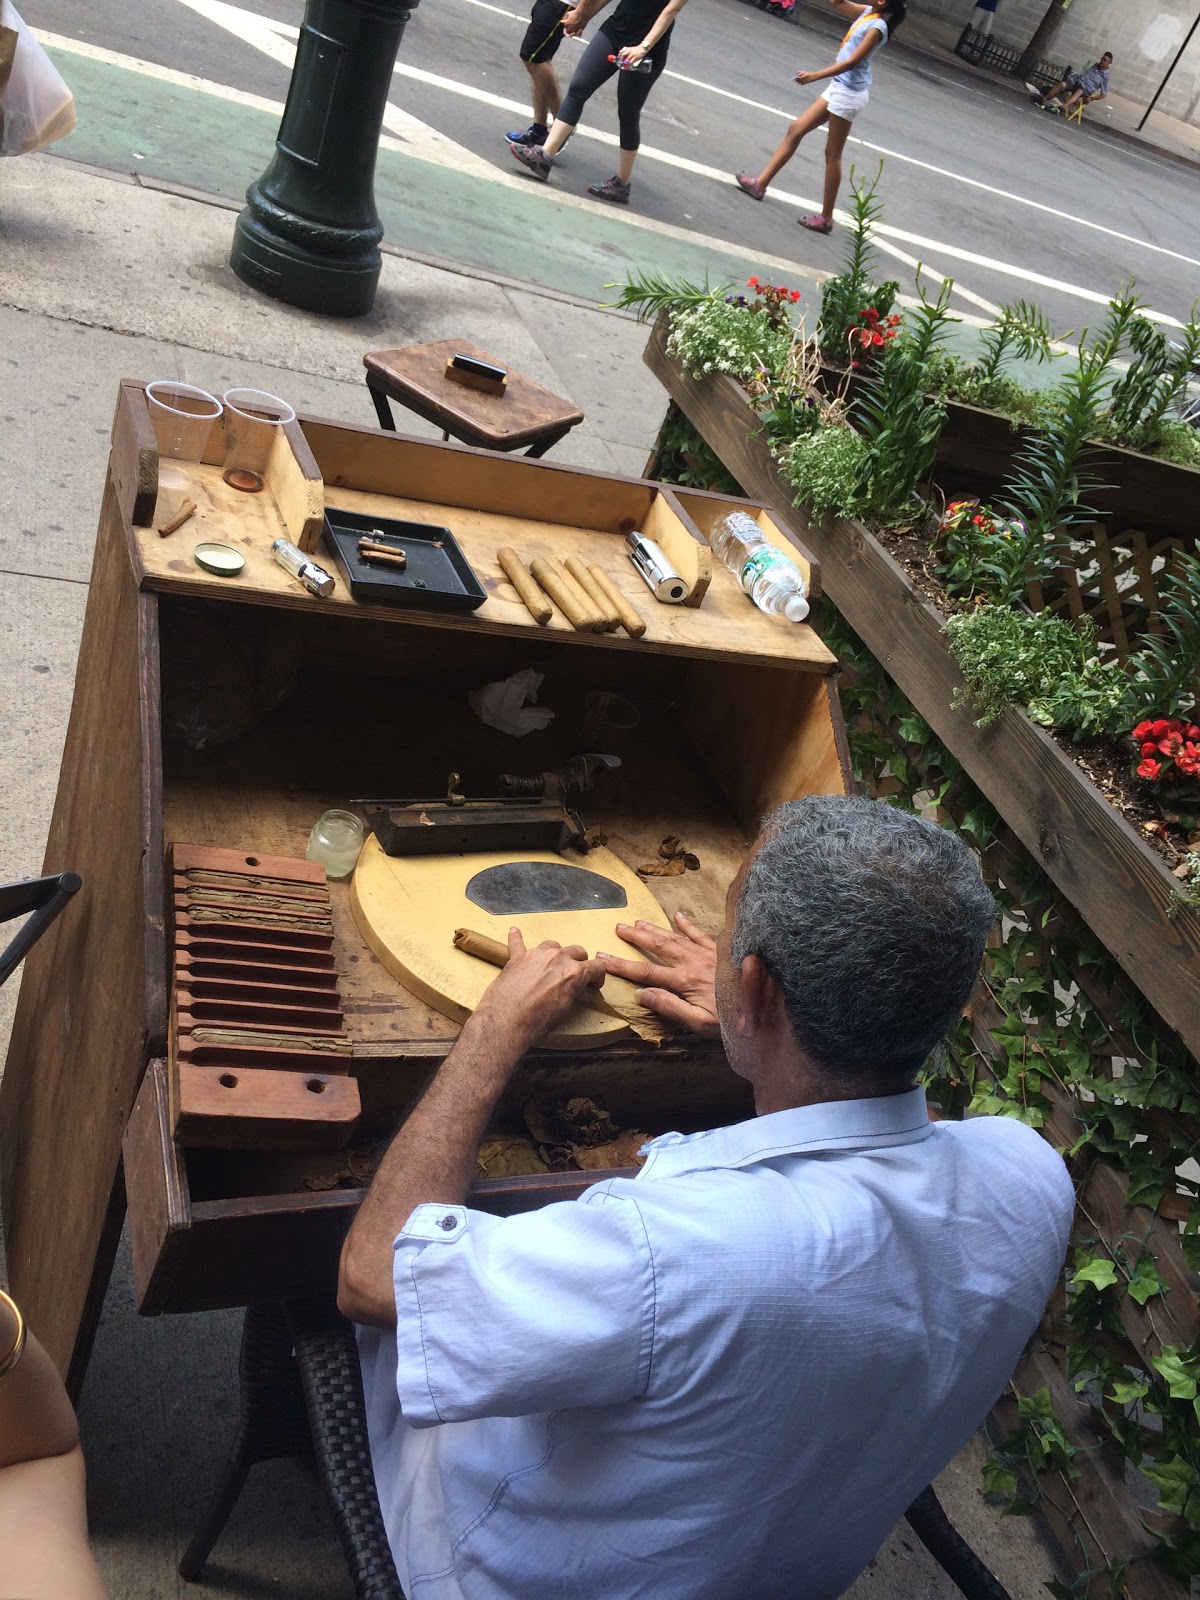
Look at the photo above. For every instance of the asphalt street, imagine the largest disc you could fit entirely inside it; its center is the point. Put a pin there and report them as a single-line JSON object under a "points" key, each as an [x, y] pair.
{"points": [[977, 185]]}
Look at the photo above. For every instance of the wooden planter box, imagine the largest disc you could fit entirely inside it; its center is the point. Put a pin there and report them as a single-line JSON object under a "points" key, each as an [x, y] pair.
{"points": [[738, 713], [1118, 884], [1118, 561]]}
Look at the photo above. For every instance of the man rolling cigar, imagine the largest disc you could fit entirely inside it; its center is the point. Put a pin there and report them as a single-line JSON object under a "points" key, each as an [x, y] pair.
{"points": [[727, 1378]]}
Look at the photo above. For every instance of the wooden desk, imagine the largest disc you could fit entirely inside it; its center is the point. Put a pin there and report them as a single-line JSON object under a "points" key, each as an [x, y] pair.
{"points": [[525, 417], [341, 700]]}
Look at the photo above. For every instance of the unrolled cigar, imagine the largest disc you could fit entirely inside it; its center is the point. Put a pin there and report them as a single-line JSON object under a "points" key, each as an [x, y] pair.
{"points": [[595, 594], [386, 558], [479, 945], [631, 618], [553, 579], [186, 510], [532, 597]]}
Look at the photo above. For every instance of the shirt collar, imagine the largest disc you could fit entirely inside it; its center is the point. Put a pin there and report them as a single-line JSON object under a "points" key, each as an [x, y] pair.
{"points": [[804, 1130]]}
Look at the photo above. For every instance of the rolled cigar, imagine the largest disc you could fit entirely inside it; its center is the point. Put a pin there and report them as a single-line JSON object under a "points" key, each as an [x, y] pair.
{"points": [[478, 944], [186, 510], [595, 594], [562, 591], [581, 595], [386, 558], [532, 597], [631, 618]]}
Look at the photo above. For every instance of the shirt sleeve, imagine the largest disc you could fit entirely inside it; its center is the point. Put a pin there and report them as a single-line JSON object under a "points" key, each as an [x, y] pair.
{"points": [[509, 1316]]}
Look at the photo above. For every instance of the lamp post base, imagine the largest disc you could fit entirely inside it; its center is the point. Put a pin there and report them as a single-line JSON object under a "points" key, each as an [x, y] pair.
{"points": [[337, 286]]}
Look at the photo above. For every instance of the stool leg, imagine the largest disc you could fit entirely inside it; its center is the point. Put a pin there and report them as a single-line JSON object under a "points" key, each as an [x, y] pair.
{"points": [[272, 1422], [540, 448], [382, 410]]}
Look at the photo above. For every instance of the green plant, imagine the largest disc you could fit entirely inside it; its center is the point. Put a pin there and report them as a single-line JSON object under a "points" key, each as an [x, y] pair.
{"points": [[681, 456], [1051, 474], [1144, 397], [1166, 670], [1177, 441], [824, 468], [1038, 661], [850, 293], [973, 545], [718, 335], [899, 421], [652, 292], [1020, 330]]}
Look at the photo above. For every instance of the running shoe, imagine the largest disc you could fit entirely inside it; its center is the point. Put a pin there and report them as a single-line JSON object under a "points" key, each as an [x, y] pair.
{"points": [[613, 189], [534, 158], [750, 185], [816, 223], [535, 133]]}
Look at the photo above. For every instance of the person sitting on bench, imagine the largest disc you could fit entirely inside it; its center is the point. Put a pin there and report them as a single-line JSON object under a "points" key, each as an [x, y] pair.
{"points": [[1086, 86]]}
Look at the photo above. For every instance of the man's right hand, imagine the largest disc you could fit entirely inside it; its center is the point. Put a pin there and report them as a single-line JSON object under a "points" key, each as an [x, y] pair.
{"points": [[574, 22], [679, 982]]}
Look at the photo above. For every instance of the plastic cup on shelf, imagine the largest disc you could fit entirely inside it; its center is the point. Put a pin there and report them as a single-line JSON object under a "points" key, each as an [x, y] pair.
{"points": [[335, 840], [183, 418], [609, 720], [253, 420]]}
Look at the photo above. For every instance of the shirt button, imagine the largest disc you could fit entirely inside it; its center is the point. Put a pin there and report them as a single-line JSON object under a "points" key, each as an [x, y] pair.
{"points": [[449, 1224]]}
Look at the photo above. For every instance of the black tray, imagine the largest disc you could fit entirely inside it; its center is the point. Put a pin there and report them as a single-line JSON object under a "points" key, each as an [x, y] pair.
{"points": [[438, 576]]}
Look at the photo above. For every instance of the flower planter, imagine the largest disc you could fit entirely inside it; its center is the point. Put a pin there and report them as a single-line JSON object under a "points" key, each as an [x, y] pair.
{"points": [[1149, 511], [1117, 883]]}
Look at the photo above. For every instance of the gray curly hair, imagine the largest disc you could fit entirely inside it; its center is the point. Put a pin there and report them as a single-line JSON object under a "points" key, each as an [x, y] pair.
{"points": [[873, 924]]}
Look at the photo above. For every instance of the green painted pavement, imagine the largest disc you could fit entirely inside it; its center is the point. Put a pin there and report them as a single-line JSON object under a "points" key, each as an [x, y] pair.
{"points": [[132, 123]]}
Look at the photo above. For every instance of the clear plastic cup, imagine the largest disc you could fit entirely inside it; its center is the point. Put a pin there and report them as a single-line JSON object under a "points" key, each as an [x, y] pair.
{"points": [[183, 418], [609, 720], [253, 420], [335, 840]]}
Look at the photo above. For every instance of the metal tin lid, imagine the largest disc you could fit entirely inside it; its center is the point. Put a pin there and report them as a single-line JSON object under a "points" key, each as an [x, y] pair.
{"points": [[222, 559]]}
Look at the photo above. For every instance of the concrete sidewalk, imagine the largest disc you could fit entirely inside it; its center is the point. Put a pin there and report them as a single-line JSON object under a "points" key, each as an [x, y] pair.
{"points": [[101, 278]]}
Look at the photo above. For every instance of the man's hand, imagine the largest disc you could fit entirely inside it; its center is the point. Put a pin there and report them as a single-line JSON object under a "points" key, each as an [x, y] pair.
{"points": [[679, 983], [537, 988], [574, 22]]}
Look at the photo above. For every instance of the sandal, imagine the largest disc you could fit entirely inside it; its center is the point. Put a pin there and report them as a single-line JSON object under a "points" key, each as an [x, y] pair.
{"points": [[816, 223], [750, 185]]}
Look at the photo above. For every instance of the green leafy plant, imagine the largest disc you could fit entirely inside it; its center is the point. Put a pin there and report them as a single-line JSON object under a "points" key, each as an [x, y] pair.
{"points": [[896, 416], [1038, 661], [824, 466], [681, 456], [718, 335], [1051, 474], [973, 545], [1145, 396], [649, 293], [850, 293], [1021, 330], [1166, 670]]}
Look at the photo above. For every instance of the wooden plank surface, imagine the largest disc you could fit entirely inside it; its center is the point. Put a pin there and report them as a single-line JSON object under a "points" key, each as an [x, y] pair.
{"points": [[88, 1005], [727, 624], [1117, 883]]}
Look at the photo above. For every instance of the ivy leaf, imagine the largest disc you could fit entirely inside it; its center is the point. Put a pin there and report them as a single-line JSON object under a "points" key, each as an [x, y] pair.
{"points": [[1175, 1480], [998, 1478], [1180, 1376], [1146, 1281], [1019, 1506], [1125, 1391], [1100, 1272], [1059, 1590]]}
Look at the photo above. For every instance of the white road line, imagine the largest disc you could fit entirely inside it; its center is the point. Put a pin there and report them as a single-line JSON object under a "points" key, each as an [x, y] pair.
{"points": [[899, 155], [220, 91]]}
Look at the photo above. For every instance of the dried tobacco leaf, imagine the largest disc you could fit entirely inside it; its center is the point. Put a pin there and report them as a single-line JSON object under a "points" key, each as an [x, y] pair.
{"points": [[508, 1156], [661, 869], [670, 847], [619, 1152], [574, 1121]]}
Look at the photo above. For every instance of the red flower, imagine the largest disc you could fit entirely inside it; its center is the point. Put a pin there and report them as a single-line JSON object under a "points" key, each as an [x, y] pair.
{"points": [[864, 336], [1188, 764], [1149, 747], [1149, 769], [1143, 731], [871, 314], [894, 320], [1158, 727], [794, 295], [1172, 744], [752, 283], [1193, 732]]}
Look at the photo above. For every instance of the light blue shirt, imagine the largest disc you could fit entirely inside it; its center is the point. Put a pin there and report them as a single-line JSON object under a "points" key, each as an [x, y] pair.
{"points": [[724, 1380], [859, 78]]}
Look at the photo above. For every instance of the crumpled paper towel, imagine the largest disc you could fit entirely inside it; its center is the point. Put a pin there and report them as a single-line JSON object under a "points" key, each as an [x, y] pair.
{"points": [[510, 704]]}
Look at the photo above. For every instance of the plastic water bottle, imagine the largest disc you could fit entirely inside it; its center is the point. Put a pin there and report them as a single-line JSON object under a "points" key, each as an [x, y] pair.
{"points": [[772, 581]]}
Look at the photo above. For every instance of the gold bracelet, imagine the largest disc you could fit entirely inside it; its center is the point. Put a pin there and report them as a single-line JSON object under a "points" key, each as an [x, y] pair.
{"points": [[15, 1354]]}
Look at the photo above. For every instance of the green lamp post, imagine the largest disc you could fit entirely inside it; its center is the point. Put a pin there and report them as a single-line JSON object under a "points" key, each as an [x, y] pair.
{"points": [[310, 232]]}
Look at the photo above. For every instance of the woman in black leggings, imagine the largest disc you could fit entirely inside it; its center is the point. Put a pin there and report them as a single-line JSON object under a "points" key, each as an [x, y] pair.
{"points": [[638, 30]]}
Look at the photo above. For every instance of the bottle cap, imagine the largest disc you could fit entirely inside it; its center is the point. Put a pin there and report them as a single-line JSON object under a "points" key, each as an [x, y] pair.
{"points": [[222, 559], [795, 608]]}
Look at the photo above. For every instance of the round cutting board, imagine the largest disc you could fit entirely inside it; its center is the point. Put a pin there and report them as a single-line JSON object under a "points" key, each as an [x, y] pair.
{"points": [[408, 907]]}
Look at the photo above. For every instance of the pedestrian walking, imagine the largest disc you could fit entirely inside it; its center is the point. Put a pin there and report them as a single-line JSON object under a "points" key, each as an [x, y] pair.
{"points": [[632, 43], [983, 16], [847, 94], [538, 49]]}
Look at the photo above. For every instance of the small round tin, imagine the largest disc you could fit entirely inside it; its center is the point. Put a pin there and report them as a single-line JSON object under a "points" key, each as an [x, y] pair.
{"points": [[222, 559]]}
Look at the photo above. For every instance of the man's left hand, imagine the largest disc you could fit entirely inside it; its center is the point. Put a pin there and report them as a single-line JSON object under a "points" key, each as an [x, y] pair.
{"points": [[537, 988]]}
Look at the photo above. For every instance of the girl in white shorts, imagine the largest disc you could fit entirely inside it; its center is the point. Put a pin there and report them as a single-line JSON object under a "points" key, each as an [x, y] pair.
{"points": [[847, 94]]}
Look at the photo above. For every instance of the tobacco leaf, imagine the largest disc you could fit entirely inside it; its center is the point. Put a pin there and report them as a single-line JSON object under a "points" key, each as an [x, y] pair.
{"points": [[574, 1121], [661, 869], [670, 847], [619, 1152], [508, 1156]]}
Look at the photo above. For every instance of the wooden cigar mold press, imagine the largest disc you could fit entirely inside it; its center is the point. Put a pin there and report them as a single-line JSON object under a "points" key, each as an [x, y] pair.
{"points": [[431, 867], [259, 1058]]}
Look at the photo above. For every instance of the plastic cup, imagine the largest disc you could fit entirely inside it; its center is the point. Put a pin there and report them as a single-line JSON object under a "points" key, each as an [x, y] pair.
{"points": [[253, 420], [183, 418], [335, 841], [609, 719]]}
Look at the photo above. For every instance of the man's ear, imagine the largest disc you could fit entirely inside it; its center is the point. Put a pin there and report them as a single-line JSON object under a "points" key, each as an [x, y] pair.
{"points": [[759, 997]]}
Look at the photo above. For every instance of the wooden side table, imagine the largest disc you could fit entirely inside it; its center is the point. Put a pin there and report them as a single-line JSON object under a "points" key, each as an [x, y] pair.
{"points": [[525, 416]]}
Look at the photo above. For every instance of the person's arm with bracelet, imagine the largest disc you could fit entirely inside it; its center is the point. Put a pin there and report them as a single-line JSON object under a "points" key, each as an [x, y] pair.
{"points": [[631, 53], [43, 1512]]}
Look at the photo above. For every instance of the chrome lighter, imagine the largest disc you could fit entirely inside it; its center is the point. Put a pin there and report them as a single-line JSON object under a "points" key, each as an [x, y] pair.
{"points": [[657, 572], [314, 578]]}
